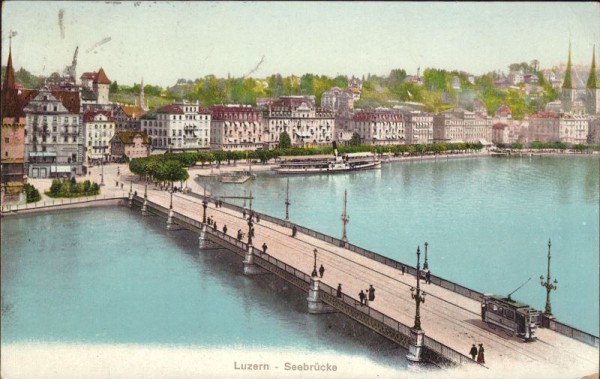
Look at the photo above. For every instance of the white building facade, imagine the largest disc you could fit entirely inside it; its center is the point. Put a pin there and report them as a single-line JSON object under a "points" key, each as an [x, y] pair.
{"points": [[98, 129], [179, 126], [236, 127]]}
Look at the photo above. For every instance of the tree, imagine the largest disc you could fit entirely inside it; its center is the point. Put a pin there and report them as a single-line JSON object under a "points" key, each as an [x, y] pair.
{"points": [[284, 141], [355, 140], [114, 87]]}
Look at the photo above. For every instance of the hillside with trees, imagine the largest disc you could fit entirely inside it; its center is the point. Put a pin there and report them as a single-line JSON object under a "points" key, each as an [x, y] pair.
{"points": [[436, 92]]}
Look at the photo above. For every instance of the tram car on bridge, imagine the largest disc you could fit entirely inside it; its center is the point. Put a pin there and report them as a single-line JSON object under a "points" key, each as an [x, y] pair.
{"points": [[510, 315]]}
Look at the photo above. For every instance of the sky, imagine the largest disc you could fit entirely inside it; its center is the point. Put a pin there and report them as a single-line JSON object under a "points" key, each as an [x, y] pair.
{"points": [[164, 41]]}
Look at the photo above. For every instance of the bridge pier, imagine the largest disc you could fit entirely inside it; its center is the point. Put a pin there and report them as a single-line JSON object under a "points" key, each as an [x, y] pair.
{"points": [[315, 304], [170, 224], [415, 347], [203, 241], [251, 268], [145, 208]]}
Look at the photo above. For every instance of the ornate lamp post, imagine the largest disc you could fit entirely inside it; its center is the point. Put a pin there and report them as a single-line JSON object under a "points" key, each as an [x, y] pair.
{"points": [[548, 285], [425, 265], [345, 220], [417, 296], [250, 230], [287, 200], [314, 272], [204, 205], [102, 173], [171, 202]]}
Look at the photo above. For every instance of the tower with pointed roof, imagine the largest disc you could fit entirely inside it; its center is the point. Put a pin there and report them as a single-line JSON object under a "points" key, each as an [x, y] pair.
{"points": [[568, 91], [101, 86], [12, 149], [592, 90]]}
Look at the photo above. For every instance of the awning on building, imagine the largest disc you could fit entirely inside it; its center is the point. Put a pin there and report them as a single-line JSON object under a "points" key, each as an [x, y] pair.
{"points": [[60, 168], [42, 154]]}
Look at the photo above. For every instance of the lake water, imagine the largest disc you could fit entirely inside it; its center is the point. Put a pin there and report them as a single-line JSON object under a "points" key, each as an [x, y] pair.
{"points": [[487, 221], [110, 276]]}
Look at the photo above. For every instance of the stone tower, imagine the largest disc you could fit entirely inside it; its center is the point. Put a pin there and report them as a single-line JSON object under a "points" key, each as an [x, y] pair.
{"points": [[101, 86], [592, 90], [567, 95]]}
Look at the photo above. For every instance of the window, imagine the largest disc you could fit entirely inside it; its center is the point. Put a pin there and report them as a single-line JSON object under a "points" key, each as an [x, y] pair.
{"points": [[6, 140]]}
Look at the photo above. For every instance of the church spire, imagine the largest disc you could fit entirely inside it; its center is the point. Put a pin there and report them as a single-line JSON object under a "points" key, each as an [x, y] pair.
{"points": [[9, 81], [567, 83], [592, 81]]}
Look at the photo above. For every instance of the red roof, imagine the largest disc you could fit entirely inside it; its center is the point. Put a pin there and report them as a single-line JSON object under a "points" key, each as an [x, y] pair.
{"points": [[89, 115], [101, 77], [499, 125], [88, 75], [545, 115], [69, 99], [171, 108]]}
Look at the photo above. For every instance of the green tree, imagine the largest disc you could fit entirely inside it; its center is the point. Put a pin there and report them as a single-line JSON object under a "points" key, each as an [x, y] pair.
{"points": [[284, 141], [32, 195], [355, 140], [114, 87]]}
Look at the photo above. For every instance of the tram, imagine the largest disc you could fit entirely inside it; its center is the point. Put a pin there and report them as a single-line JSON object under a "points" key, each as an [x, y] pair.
{"points": [[510, 315]]}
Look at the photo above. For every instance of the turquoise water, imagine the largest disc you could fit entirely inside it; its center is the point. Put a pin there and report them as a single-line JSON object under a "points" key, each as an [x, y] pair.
{"points": [[487, 221], [111, 276]]}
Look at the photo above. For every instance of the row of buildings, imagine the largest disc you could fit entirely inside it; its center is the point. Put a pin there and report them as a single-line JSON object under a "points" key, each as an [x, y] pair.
{"points": [[58, 130]]}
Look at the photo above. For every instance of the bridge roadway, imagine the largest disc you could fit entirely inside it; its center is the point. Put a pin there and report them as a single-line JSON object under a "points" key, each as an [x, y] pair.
{"points": [[447, 317]]}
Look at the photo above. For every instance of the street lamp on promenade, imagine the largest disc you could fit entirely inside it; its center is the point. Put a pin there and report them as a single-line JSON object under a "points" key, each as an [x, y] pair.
{"points": [[204, 205], [102, 173], [548, 285], [417, 296], [250, 230], [314, 272], [345, 220], [425, 265], [171, 202], [287, 200]]}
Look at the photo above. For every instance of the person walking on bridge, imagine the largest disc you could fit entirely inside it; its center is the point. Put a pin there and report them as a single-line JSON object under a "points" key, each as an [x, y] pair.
{"points": [[321, 271], [480, 356], [361, 296], [371, 292], [339, 290], [403, 269], [224, 229], [473, 351], [264, 246], [294, 231]]}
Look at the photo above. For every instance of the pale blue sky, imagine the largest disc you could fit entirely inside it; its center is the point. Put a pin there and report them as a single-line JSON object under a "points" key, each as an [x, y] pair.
{"points": [[164, 41]]}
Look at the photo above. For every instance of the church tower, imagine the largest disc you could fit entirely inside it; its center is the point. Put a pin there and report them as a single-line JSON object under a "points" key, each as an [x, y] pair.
{"points": [[592, 90], [567, 96]]}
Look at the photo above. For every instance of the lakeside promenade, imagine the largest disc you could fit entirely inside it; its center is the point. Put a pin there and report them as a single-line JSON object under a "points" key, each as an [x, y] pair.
{"points": [[450, 318]]}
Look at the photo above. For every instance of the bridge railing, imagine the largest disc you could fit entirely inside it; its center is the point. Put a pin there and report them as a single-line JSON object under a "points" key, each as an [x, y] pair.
{"points": [[569, 331], [449, 285], [61, 201]]}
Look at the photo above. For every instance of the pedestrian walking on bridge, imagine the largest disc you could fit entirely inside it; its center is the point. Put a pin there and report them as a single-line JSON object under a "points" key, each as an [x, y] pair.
{"points": [[361, 296], [473, 352], [480, 356], [225, 229], [264, 246], [428, 277], [371, 292], [339, 290], [240, 234], [321, 270], [294, 231], [403, 269]]}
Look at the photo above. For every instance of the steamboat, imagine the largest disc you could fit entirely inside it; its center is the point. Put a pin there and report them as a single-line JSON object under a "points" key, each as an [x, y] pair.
{"points": [[330, 165]]}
